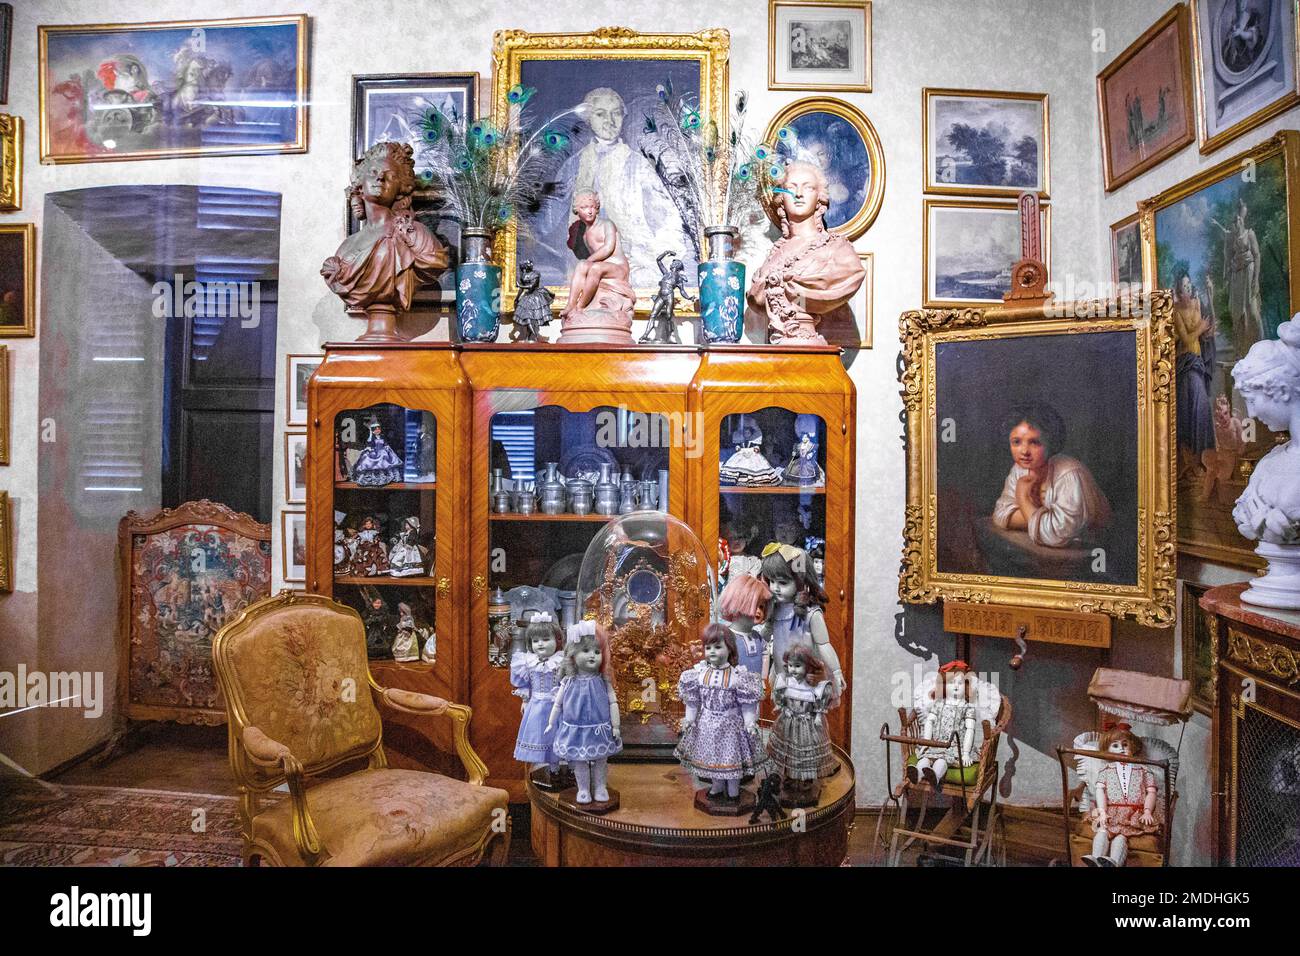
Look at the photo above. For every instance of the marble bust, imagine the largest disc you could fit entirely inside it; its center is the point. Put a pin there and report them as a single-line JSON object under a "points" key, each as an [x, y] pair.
{"points": [[811, 271], [1268, 511]]}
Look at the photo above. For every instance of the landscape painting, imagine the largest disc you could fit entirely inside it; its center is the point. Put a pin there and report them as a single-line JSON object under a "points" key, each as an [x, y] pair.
{"points": [[986, 142], [970, 248]]}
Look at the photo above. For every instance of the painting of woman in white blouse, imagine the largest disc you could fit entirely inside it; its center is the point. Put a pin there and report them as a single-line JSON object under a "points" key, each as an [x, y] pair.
{"points": [[1049, 495]]}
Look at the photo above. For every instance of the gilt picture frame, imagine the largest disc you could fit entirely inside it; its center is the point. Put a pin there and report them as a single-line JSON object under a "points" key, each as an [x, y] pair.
{"points": [[1126, 252], [1114, 427], [11, 163], [17, 280], [969, 247], [986, 142], [823, 45]]}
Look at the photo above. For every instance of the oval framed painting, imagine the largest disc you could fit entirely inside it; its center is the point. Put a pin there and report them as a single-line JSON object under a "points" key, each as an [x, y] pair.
{"points": [[837, 137]]}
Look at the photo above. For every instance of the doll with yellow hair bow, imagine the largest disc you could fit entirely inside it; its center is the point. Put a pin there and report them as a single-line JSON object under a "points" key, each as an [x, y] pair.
{"points": [[797, 613]]}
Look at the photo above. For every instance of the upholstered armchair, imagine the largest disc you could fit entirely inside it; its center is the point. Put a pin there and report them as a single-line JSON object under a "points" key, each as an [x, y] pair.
{"points": [[300, 702]]}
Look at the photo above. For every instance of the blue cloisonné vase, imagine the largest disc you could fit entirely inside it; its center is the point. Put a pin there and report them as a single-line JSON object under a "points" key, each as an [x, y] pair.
{"points": [[722, 288], [478, 289]]}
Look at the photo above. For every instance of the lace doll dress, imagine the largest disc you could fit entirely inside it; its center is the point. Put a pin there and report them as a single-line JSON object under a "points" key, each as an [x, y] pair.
{"points": [[717, 745]]}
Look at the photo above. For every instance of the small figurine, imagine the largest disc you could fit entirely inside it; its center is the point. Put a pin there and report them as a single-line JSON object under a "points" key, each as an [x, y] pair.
{"points": [[662, 326], [532, 305], [406, 557], [601, 298], [378, 464], [379, 625], [406, 646], [733, 548], [800, 743], [369, 555], [1126, 800], [536, 676], [718, 731], [797, 612], [586, 710], [816, 548], [949, 715], [344, 544], [803, 469], [428, 455], [744, 604], [747, 466], [767, 801]]}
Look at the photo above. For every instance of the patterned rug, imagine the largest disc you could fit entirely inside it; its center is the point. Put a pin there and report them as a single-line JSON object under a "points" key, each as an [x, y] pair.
{"points": [[114, 826]]}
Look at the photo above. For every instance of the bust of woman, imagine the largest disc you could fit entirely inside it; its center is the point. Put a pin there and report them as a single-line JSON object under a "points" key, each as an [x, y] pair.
{"points": [[378, 268], [810, 271], [1268, 511]]}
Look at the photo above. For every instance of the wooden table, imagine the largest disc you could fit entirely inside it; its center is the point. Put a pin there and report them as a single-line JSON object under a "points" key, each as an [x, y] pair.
{"points": [[658, 825]]}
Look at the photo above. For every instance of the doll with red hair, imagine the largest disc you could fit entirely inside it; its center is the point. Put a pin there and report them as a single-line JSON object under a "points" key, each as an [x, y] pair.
{"points": [[950, 717], [743, 605], [585, 712], [1126, 795]]}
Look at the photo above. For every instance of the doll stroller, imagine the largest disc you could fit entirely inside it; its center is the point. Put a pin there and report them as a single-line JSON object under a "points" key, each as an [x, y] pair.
{"points": [[1138, 698], [963, 831]]}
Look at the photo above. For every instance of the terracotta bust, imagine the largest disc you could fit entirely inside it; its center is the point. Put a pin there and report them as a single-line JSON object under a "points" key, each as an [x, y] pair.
{"points": [[811, 271], [378, 268]]}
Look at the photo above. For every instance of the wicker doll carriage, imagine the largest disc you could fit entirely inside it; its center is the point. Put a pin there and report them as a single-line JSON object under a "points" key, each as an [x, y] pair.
{"points": [[1128, 696], [951, 819]]}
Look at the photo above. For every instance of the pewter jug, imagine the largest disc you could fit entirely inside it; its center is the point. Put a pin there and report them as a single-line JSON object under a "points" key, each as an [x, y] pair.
{"points": [[606, 491], [581, 496], [550, 490]]}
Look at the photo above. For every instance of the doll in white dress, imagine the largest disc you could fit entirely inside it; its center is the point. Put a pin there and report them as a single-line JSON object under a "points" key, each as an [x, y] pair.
{"points": [[951, 717], [407, 556], [747, 466]]}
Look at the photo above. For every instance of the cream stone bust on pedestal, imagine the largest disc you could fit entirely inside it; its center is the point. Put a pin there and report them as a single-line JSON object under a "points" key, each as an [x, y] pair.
{"points": [[1269, 509]]}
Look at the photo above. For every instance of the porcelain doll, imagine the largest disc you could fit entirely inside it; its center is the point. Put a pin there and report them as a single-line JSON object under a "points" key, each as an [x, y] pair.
{"points": [[428, 455], [535, 674], [585, 714], [369, 555], [797, 616], [950, 712], [406, 558], [800, 743], [803, 468], [379, 625], [429, 652], [719, 729], [744, 604], [1126, 795], [733, 545], [378, 464], [747, 466], [406, 646]]}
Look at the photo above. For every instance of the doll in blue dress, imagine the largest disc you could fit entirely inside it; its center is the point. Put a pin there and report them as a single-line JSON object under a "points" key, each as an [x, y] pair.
{"points": [[585, 713], [378, 464], [536, 676]]}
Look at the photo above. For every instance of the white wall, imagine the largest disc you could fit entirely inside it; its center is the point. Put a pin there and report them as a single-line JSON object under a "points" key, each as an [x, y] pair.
{"points": [[1029, 45]]}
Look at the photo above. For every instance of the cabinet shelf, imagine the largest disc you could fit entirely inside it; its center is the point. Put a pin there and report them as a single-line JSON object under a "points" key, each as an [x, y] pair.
{"points": [[394, 486], [564, 516], [771, 489], [414, 581]]}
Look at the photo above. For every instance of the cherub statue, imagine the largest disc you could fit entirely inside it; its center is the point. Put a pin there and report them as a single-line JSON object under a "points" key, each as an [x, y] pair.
{"points": [[662, 327], [601, 298], [532, 306]]}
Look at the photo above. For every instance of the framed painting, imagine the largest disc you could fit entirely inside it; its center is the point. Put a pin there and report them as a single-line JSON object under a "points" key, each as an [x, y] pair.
{"points": [[6, 43], [7, 569], [388, 107], [17, 280], [1039, 457], [1126, 252], [11, 162], [612, 74], [4, 405], [1247, 65], [1198, 647], [1225, 242], [298, 371], [184, 572], [293, 546], [165, 90], [1145, 100], [970, 248], [819, 46], [295, 468], [985, 142], [838, 138]]}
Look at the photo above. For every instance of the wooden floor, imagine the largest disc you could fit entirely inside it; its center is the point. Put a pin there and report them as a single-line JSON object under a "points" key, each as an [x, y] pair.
{"points": [[193, 759]]}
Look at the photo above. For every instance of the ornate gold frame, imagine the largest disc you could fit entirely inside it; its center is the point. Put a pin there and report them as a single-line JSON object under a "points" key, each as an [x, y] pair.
{"points": [[1002, 205], [7, 573], [512, 48], [863, 5], [1151, 600], [1177, 14], [11, 162], [865, 216], [1287, 144], [299, 145], [1261, 116], [930, 93], [28, 328]]}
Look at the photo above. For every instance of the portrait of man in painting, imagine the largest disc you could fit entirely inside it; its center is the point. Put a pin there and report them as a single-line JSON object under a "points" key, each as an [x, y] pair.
{"points": [[1037, 457], [614, 154]]}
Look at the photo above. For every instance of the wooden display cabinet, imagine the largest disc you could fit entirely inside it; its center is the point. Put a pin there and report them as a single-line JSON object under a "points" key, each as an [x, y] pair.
{"points": [[518, 407]]}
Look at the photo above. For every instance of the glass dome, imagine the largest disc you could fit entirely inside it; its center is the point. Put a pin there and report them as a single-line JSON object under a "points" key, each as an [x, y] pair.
{"points": [[646, 579]]}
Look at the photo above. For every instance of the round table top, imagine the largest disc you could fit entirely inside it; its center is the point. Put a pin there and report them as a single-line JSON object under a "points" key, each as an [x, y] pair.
{"points": [[657, 802]]}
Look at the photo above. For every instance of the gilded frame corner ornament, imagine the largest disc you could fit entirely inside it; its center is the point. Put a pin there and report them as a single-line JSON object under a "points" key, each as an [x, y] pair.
{"points": [[11, 162], [512, 48], [1151, 600]]}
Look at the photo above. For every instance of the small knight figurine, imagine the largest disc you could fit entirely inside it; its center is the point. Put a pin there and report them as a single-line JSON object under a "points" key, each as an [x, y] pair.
{"points": [[377, 269], [601, 298], [662, 327], [811, 271], [1268, 511], [532, 306]]}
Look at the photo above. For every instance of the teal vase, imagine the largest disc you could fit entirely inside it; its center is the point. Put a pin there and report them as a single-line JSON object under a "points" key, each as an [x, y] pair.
{"points": [[478, 289], [722, 288]]}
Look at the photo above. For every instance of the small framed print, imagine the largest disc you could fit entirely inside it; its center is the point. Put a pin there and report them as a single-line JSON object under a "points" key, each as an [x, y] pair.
{"points": [[295, 468], [819, 46], [298, 371], [985, 142], [969, 248], [293, 546], [1126, 251]]}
